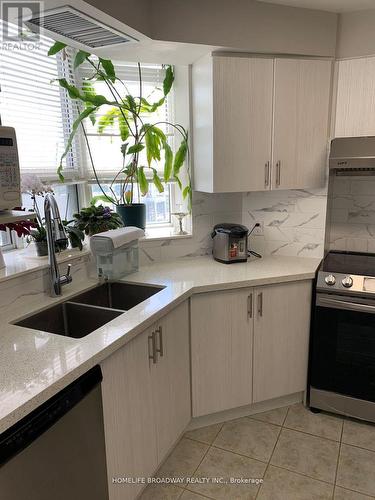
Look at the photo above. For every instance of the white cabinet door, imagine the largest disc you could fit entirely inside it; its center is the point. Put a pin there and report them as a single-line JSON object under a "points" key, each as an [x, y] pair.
{"points": [[129, 423], [281, 338], [171, 378], [301, 119], [355, 106], [221, 350], [242, 123]]}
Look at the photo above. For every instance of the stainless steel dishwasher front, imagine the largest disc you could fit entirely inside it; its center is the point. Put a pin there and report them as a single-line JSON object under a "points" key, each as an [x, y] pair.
{"points": [[58, 451]]}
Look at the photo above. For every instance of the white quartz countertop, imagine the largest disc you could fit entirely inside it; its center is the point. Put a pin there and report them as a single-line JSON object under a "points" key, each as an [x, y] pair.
{"points": [[35, 365]]}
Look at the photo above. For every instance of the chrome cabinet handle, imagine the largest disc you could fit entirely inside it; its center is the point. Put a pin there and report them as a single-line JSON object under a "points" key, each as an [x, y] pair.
{"points": [[161, 347], [278, 173], [267, 174], [260, 304], [153, 354], [250, 306]]}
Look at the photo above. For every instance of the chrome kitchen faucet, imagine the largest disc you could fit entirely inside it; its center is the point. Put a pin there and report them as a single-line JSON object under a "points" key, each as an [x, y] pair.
{"points": [[55, 234]]}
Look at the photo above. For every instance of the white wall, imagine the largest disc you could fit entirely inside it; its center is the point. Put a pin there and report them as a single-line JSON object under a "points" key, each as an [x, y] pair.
{"points": [[356, 34], [243, 24]]}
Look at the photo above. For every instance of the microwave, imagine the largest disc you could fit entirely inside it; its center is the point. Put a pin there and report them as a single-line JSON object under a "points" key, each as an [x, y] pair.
{"points": [[10, 182]]}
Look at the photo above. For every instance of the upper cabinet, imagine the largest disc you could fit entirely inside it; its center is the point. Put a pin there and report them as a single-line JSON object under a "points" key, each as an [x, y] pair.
{"points": [[260, 123], [355, 106]]}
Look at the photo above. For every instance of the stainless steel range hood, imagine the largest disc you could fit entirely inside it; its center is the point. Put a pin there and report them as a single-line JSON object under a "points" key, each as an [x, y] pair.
{"points": [[353, 156]]}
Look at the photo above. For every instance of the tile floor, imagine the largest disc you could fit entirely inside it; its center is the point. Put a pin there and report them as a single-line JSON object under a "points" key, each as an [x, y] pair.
{"points": [[298, 454]]}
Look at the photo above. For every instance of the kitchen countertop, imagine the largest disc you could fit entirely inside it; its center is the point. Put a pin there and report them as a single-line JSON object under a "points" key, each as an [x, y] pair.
{"points": [[35, 365]]}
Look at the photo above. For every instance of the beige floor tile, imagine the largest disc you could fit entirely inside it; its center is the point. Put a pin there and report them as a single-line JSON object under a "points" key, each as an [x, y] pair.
{"points": [[224, 464], [280, 484], [161, 492], [359, 434], [319, 424], [342, 494], [356, 470], [205, 434], [276, 416], [184, 459], [248, 437], [314, 456]]}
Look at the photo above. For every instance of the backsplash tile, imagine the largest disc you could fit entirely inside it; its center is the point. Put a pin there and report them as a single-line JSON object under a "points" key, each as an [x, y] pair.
{"points": [[208, 210], [352, 226], [293, 220]]}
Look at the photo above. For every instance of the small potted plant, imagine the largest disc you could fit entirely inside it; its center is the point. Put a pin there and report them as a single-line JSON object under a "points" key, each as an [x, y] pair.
{"points": [[33, 186], [96, 219], [144, 144]]}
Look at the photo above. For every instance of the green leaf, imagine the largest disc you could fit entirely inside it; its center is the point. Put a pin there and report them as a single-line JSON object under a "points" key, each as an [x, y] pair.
{"points": [[123, 127], [142, 181], [56, 47], [157, 181], [180, 157], [76, 124], [177, 179], [186, 191], [107, 120], [80, 58], [168, 80], [135, 149], [168, 165], [101, 197], [157, 104], [73, 91], [124, 147], [129, 99], [108, 68]]}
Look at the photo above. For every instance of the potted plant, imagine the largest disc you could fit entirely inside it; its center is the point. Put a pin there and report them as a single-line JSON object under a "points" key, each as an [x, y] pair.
{"points": [[33, 186], [96, 219], [133, 116], [75, 236]]}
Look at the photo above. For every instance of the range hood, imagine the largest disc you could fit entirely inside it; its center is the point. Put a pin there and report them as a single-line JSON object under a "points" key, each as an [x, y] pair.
{"points": [[353, 155]]}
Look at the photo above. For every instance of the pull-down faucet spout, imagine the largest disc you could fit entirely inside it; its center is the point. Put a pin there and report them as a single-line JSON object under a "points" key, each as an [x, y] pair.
{"points": [[55, 234]]}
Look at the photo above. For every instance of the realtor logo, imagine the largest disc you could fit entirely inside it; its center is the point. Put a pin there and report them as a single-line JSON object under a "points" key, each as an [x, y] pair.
{"points": [[14, 14]]}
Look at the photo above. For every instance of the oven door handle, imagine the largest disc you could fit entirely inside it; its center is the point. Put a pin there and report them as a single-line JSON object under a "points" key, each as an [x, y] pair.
{"points": [[342, 304]]}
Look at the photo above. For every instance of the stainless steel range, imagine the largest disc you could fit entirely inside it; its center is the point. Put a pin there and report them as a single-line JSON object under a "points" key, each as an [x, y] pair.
{"points": [[342, 347]]}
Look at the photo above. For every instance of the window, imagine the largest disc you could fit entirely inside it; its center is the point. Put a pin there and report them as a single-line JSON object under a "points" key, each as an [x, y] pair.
{"points": [[43, 115], [39, 110], [158, 205], [105, 147]]}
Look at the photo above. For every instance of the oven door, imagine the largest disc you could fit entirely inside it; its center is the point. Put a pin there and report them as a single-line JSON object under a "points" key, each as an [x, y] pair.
{"points": [[343, 346]]}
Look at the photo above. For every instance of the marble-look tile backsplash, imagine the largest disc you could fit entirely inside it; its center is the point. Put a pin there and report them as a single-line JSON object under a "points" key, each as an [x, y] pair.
{"points": [[352, 214], [207, 210], [293, 221]]}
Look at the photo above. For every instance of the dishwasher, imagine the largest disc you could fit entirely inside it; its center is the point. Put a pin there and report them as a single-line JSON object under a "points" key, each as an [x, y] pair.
{"points": [[58, 450]]}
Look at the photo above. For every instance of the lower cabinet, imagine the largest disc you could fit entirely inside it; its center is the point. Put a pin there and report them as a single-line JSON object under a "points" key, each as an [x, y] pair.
{"points": [[146, 401], [249, 345], [281, 339], [221, 350]]}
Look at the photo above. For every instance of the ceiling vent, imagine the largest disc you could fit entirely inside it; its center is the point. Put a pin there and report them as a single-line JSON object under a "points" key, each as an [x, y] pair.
{"points": [[72, 26]]}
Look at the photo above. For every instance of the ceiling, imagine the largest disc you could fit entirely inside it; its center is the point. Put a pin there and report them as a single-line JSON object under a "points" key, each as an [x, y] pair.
{"points": [[330, 5]]}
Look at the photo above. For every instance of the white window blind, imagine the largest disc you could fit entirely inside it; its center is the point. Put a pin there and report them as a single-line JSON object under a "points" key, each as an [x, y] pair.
{"points": [[38, 109], [106, 147]]}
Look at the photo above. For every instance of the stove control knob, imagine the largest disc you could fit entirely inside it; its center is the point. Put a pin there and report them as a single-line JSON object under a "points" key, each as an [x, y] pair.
{"points": [[330, 280], [347, 282]]}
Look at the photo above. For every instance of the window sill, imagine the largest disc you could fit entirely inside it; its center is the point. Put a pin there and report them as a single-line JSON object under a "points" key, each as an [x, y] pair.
{"points": [[22, 261], [164, 233]]}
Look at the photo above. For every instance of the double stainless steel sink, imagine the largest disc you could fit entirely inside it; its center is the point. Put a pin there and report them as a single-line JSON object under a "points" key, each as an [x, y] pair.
{"points": [[89, 310]]}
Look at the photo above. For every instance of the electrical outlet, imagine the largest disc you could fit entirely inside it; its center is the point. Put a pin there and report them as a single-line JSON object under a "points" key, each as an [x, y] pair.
{"points": [[259, 229]]}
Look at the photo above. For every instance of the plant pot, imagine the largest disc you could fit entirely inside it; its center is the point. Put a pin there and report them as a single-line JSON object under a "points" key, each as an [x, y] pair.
{"points": [[41, 248], [133, 215]]}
